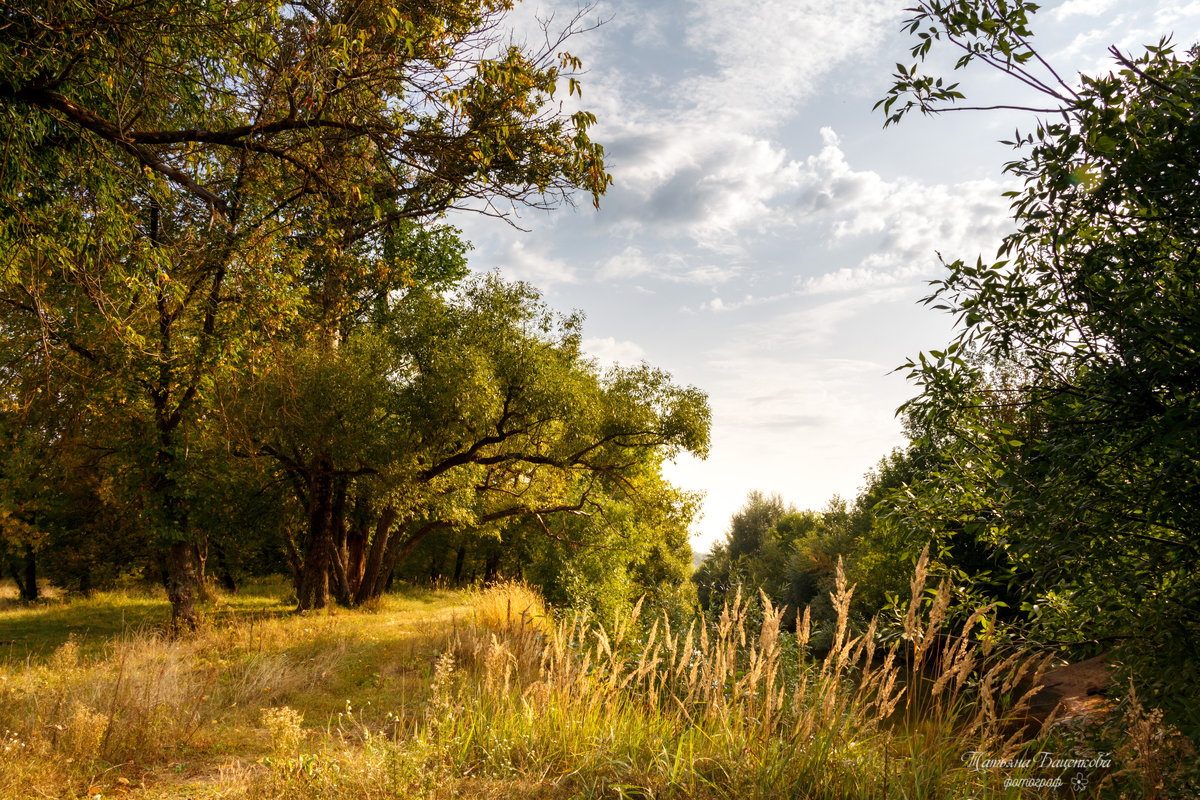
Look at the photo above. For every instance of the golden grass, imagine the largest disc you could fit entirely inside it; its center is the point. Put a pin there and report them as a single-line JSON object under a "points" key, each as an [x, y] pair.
{"points": [[509, 607], [721, 709], [486, 694], [142, 715]]}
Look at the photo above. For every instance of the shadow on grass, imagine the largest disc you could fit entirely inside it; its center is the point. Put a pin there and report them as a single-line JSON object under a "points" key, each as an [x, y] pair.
{"points": [[37, 630], [34, 631]]}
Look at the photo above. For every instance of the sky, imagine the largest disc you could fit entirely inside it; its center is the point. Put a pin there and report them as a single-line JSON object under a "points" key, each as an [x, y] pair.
{"points": [[765, 239]]}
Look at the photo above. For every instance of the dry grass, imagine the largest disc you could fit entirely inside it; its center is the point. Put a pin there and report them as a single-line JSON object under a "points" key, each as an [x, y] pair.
{"points": [[143, 715], [484, 694], [723, 710], [506, 632], [509, 608], [1155, 758], [149, 691]]}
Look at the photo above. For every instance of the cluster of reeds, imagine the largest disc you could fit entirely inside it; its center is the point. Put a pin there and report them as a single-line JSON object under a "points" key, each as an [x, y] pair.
{"points": [[718, 707], [505, 635]]}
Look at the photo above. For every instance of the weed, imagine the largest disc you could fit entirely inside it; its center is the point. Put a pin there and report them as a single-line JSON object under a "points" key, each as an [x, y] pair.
{"points": [[284, 726]]}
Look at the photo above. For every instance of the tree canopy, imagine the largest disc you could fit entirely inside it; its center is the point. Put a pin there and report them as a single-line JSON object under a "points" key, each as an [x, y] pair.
{"points": [[189, 188], [465, 413], [1066, 414]]}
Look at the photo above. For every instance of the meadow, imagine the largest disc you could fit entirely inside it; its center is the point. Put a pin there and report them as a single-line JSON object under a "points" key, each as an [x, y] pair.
{"points": [[486, 693]]}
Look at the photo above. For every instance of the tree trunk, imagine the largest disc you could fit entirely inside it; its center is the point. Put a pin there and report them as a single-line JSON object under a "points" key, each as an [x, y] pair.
{"points": [[341, 586], [313, 589], [374, 561], [398, 550], [16, 575], [180, 576], [19, 575], [29, 590], [386, 552], [338, 515], [295, 562], [491, 567], [200, 559], [224, 575], [458, 564], [339, 555], [356, 559], [181, 587]]}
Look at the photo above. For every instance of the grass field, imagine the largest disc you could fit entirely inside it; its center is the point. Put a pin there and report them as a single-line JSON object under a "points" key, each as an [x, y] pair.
{"points": [[482, 694]]}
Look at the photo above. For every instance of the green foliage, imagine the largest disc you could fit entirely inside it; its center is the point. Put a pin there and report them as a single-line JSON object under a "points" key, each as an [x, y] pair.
{"points": [[1070, 443], [636, 550], [735, 561], [994, 33], [476, 420], [749, 527], [629, 548], [190, 187], [792, 556], [388, 112]]}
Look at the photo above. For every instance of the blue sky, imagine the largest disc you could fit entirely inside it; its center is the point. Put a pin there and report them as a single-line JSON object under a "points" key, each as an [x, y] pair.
{"points": [[765, 239]]}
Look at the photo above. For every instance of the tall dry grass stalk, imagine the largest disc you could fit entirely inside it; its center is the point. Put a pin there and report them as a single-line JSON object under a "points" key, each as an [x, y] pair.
{"points": [[1156, 759], [727, 670], [150, 690], [748, 701]]}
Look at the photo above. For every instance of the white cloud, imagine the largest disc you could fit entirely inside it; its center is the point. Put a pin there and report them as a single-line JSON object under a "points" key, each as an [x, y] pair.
{"points": [[850, 279], [1130, 30], [730, 187], [700, 184], [774, 53], [1084, 8], [520, 260], [772, 395], [662, 264], [813, 327], [1088, 49], [608, 350], [717, 304], [629, 263], [707, 274], [1171, 14], [695, 160], [901, 222]]}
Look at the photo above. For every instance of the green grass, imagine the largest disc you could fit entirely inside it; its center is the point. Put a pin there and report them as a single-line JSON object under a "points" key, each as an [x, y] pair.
{"points": [[184, 717], [34, 631], [438, 694]]}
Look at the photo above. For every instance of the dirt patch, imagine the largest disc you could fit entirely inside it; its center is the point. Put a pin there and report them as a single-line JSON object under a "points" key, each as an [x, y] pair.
{"points": [[1073, 691]]}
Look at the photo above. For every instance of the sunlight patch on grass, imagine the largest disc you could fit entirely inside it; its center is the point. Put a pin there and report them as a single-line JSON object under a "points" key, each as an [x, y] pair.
{"points": [[485, 694]]}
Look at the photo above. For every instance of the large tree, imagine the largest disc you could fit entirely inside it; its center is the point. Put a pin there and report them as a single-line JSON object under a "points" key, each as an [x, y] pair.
{"points": [[178, 179], [468, 413], [1070, 439]]}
